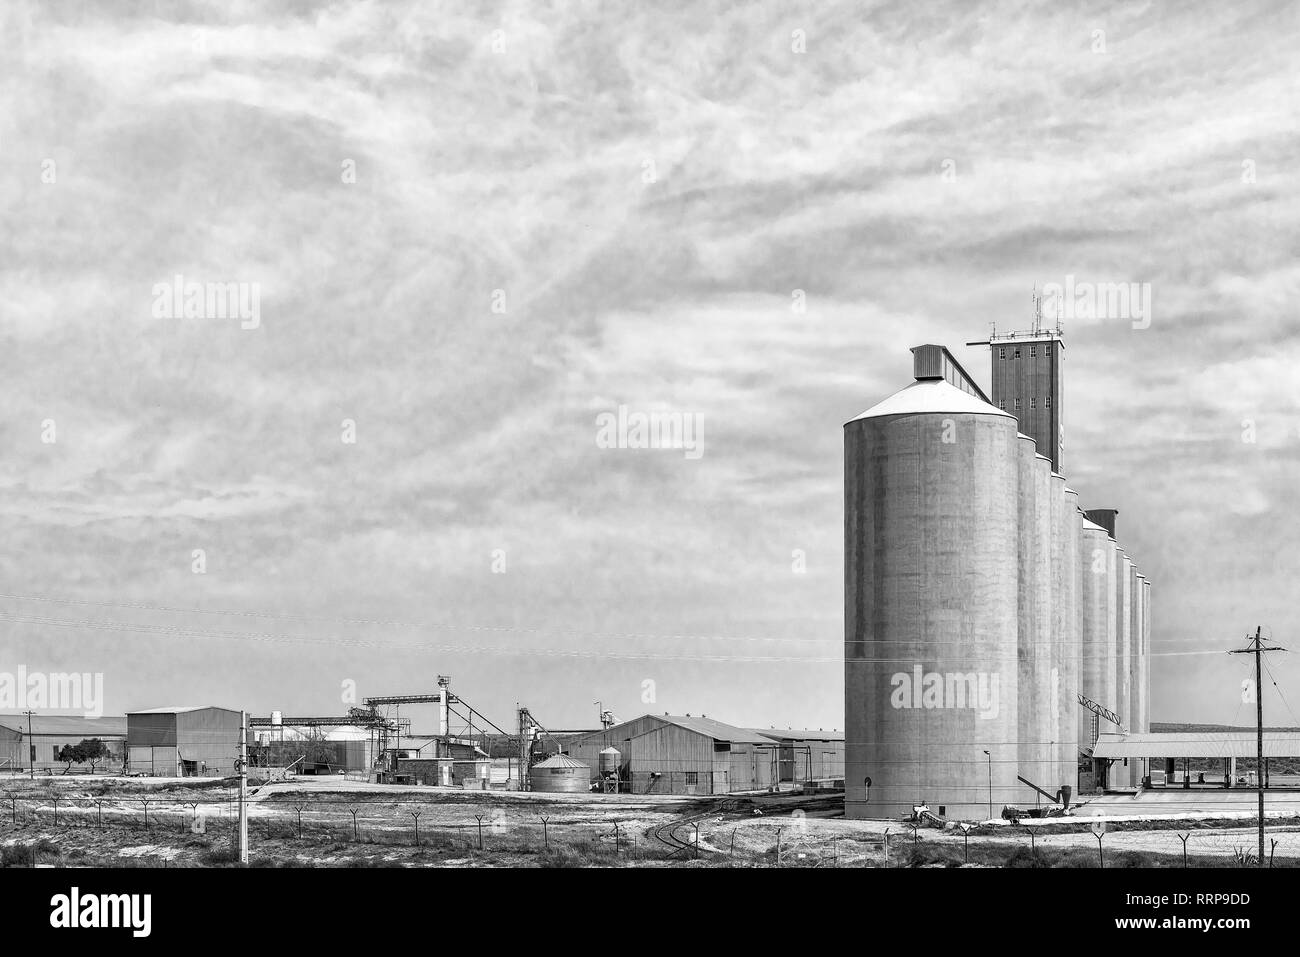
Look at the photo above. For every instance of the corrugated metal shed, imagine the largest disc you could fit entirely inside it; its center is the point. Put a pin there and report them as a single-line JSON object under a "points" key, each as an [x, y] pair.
{"points": [[1196, 744]]}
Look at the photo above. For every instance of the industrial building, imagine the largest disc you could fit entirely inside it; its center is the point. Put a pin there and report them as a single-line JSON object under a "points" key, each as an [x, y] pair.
{"points": [[806, 755], [50, 733], [681, 754], [183, 741], [991, 625]]}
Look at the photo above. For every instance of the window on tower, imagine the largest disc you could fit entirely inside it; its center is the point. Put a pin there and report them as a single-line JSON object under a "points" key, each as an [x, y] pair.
{"points": [[1033, 352], [1002, 404], [1016, 354], [1047, 349], [1032, 402], [1047, 402], [1017, 405], [1002, 352]]}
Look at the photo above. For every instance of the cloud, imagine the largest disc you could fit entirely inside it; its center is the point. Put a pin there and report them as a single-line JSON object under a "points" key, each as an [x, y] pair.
{"points": [[646, 194]]}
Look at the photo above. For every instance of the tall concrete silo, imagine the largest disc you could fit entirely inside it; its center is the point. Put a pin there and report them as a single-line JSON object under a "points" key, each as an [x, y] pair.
{"points": [[1068, 623], [1110, 670], [931, 604], [1139, 650], [1097, 557], [1146, 658], [1034, 704]]}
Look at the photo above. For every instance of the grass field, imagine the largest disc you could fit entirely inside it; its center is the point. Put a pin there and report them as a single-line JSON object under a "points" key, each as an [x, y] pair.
{"points": [[70, 822]]}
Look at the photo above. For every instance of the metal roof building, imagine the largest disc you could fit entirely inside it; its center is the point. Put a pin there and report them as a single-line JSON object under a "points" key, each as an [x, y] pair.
{"points": [[49, 733], [186, 741], [682, 754], [807, 754]]}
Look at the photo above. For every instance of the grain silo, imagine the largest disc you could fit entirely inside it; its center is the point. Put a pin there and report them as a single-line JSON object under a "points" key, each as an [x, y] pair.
{"points": [[1034, 704], [931, 600], [560, 773], [1096, 555], [1146, 656], [1070, 645], [1065, 636], [1121, 773]]}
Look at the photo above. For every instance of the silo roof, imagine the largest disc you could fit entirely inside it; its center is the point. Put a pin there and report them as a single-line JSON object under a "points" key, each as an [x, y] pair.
{"points": [[926, 396], [561, 761]]}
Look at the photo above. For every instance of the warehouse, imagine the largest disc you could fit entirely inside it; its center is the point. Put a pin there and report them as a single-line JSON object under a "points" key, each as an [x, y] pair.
{"points": [[681, 754], [807, 755], [50, 733], [183, 741], [990, 623]]}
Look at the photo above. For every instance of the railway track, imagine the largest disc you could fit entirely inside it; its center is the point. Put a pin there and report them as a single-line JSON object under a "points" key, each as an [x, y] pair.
{"points": [[672, 834]]}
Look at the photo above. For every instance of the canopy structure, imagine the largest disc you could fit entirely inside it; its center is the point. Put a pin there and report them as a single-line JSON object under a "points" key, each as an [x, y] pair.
{"points": [[1196, 744]]}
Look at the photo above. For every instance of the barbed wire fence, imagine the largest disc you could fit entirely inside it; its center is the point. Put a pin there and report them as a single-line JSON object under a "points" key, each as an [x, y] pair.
{"points": [[786, 841]]}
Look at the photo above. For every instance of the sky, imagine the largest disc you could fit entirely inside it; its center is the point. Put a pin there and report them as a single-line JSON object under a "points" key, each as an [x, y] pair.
{"points": [[472, 231]]}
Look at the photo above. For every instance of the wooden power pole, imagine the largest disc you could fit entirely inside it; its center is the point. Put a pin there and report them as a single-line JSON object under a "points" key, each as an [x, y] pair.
{"points": [[1256, 648], [243, 789]]}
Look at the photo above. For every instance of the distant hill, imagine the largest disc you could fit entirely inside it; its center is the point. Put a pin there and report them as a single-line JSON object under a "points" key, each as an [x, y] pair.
{"points": [[1163, 727]]}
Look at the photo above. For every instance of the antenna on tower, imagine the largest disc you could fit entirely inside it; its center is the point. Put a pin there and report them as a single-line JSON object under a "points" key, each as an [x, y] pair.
{"points": [[1038, 309]]}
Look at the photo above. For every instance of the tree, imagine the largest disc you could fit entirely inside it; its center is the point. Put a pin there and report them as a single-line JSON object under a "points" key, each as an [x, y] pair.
{"points": [[89, 749], [96, 751]]}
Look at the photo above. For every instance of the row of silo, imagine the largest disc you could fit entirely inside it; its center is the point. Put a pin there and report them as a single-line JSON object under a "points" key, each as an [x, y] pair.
{"points": [[978, 601]]}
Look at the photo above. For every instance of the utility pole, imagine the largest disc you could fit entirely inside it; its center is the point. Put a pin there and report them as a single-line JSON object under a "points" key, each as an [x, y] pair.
{"points": [[990, 757], [243, 789], [1256, 648], [31, 747]]}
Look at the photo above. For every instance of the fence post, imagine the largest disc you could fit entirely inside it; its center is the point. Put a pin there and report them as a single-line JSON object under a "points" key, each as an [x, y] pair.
{"points": [[778, 847], [416, 815], [355, 835], [546, 842], [1184, 838], [1271, 849], [99, 814], [146, 802], [479, 818], [616, 839], [56, 810], [299, 809]]}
